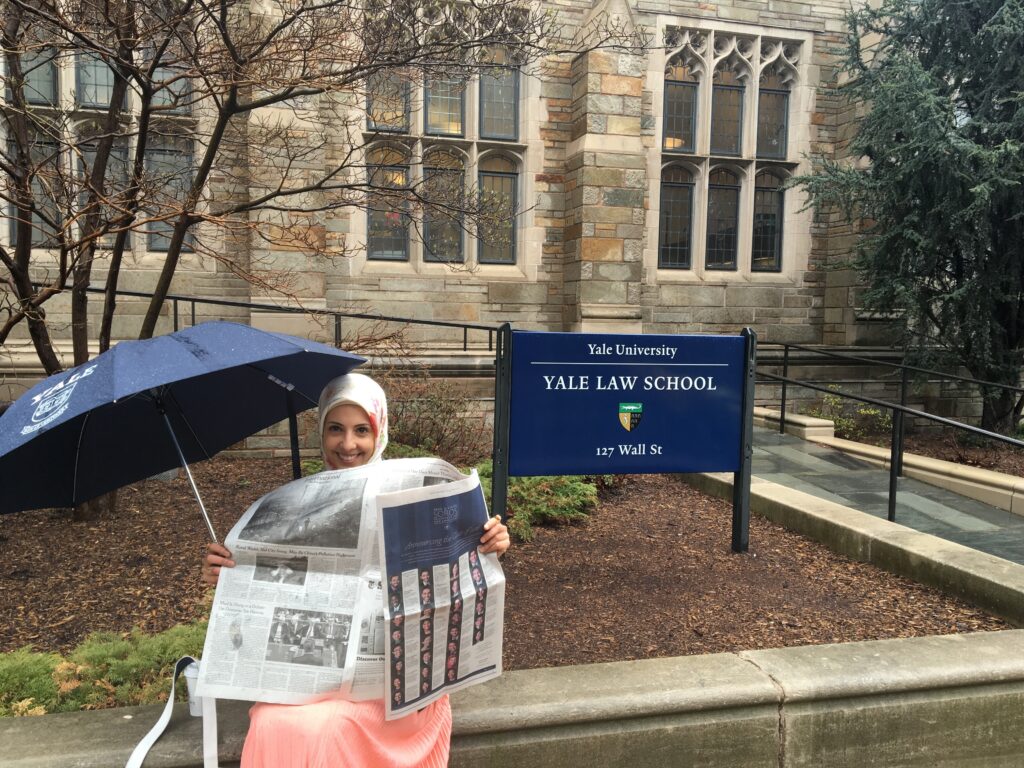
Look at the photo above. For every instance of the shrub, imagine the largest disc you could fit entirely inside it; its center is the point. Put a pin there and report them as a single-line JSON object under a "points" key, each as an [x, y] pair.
{"points": [[27, 686], [106, 670], [542, 500], [853, 420], [402, 451], [434, 416], [122, 670]]}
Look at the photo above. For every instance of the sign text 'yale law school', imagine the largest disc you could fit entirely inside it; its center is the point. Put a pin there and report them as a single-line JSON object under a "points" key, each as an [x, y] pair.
{"points": [[606, 403]]}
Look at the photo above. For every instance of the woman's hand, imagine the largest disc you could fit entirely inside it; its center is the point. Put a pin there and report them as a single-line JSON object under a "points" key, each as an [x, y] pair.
{"points": [[217, 557], [495, 538]]}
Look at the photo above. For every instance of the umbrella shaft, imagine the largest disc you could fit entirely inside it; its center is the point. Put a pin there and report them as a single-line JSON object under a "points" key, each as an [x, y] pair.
{"points": [[188, 472]]}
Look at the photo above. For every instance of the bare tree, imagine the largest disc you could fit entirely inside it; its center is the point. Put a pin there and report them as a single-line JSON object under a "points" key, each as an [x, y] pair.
{"points": [[226, 128]]}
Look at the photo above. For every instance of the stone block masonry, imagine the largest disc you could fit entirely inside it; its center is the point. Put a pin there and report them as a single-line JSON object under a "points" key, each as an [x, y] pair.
{"points": [[609, 201], [588, 159], [934, 702]]}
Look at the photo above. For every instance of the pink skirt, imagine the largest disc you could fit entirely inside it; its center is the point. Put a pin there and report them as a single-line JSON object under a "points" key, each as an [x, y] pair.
{"points": [[334, 733]]}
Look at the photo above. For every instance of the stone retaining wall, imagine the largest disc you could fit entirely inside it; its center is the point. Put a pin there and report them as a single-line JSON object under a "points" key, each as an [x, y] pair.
{"points": [[935, 702]]}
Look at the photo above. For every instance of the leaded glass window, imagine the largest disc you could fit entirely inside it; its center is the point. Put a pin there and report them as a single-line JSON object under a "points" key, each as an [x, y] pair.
{"points": [[387, 215], [444, 182], [676, 225], [39, 69], [174, 91], [766, 255], [736, 153], [772, 116], [115, 182], [499, 184], [444, 106], [723, 220], [680, 108], [46, 216], [726, 113], [499, 99], [169, 176], [455, 190], [387, 103], [94, 82]]}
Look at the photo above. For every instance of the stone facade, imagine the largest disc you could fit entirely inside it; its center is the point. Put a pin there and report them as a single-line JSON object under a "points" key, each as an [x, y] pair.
{"points": [[589, 164]]}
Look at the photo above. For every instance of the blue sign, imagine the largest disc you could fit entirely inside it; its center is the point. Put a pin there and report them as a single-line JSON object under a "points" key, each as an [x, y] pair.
{"points": [[620, 404]]}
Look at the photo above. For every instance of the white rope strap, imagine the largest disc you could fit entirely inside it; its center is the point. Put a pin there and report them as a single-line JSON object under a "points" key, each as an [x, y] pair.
{"points": [[209, 705]]}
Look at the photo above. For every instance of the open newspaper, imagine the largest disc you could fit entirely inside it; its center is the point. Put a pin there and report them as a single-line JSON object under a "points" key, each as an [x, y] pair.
{"points": [[305, 612]]}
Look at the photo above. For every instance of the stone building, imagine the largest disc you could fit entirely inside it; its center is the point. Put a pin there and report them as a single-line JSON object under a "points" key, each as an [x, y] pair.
{"points": [[649, 190]]}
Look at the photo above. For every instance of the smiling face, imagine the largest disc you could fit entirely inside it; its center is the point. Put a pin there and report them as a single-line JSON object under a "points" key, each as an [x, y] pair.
{"points": [[348, 438]]}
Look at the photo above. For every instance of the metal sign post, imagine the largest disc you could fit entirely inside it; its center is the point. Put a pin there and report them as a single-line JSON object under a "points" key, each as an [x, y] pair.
{"points": [[741, 478], [502, 404]]}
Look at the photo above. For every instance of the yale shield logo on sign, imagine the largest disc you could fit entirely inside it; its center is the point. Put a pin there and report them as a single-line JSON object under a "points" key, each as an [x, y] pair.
{"points": [[630, 415]]}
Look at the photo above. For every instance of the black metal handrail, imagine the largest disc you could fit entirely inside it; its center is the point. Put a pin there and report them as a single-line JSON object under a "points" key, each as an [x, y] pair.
{"points": [[336, 315], [900, 411], [904, 382], [903, 366]]}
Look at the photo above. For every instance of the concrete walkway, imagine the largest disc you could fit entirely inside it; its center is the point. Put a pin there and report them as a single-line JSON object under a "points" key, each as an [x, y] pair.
{"points": [[830, 474]]}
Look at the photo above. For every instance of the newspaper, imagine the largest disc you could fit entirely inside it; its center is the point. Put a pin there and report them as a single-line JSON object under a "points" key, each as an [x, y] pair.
{"points": [[446, 601], [303, 613]]}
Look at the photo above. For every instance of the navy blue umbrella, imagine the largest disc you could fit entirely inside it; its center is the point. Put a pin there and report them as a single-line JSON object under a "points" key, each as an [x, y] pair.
{"points": [[144, 407]]}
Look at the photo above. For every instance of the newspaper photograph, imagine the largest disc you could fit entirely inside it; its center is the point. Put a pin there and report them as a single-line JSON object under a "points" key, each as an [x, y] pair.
{"points": [[445, 601], [303, 612]]}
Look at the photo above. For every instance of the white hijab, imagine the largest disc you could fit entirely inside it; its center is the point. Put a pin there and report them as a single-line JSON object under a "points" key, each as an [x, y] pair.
{"points": [[358, 389]]}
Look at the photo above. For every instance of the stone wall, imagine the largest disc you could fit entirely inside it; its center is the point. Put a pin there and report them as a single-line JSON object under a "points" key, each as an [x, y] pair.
{"points": [[589, 163], [932, 702]]}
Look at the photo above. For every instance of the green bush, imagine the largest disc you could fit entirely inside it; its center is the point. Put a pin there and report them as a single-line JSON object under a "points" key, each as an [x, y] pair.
{"points": [[543, 500], [853, 420], [26, 682], [402, 451], [106, 670], [121, 670]]}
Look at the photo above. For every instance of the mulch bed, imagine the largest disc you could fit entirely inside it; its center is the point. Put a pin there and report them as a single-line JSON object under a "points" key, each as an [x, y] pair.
{"points": [[965, 449], [650, 574], [653, 575]]}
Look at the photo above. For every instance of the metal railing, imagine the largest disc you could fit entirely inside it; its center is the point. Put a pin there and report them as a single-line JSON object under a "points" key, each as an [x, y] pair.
{"points": [[899, 410], [176, 300]]}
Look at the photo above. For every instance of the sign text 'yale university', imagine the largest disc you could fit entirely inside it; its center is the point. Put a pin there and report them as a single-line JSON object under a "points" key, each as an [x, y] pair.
{"points": [[605, 403]]}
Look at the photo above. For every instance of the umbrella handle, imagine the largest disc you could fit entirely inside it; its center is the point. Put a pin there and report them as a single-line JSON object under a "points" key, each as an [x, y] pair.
{"points": [[188, 472], [293, 438]]}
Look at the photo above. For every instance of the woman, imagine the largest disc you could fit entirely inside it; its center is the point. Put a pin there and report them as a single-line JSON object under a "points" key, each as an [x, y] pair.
{"points": [[334, 733]]}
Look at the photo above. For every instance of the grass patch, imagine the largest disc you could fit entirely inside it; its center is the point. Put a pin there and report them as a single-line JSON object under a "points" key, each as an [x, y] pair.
{"points": [[106, 670]]}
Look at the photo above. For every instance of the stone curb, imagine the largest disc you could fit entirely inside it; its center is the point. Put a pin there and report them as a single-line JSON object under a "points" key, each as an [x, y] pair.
{"points": [[996, 489], [797, 424], [932, 702]]}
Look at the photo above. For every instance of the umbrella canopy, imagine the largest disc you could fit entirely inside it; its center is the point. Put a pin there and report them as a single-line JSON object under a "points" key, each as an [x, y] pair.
{"points": [[104, 424]]}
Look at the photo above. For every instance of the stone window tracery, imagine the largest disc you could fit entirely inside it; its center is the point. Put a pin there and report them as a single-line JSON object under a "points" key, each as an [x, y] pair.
{"points": [[460, 141], [66, 91], [726, 115]]}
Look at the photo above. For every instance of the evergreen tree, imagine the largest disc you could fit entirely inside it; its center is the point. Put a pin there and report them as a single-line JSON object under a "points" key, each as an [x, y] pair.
{"points": [[940, 199]]}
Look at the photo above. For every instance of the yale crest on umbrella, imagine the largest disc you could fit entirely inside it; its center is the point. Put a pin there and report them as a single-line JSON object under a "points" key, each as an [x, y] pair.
{"points": [[630, 415]]}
